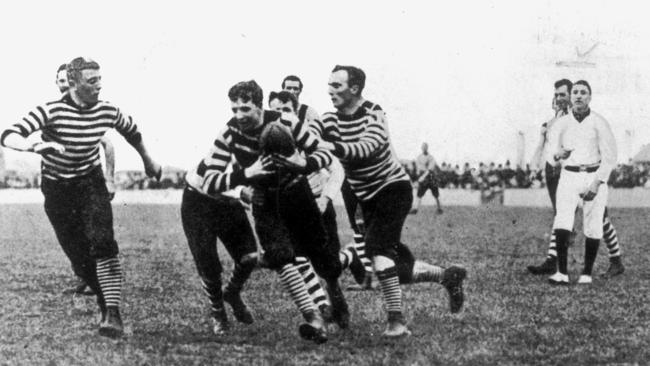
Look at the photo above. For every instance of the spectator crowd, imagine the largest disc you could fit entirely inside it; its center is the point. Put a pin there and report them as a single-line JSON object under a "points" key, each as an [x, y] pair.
{"points": [[491, 175]]}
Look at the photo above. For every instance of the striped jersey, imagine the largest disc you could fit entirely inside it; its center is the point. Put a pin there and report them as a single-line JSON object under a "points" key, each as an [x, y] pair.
{"points": [[78, 129], [210, 175], [363, 146], [328, 180]]}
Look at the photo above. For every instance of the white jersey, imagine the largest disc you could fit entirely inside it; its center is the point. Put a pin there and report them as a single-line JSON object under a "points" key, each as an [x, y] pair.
{"points": [[591, 141]]}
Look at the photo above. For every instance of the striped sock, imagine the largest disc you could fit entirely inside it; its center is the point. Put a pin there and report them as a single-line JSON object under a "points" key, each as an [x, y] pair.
{"points": [[390, 289], [312, 282], [611, 238], [345, 256], [109, 276], [295, 285], [239, 276], [360, 247], [552, 247], [425, 272], [213, 290]]}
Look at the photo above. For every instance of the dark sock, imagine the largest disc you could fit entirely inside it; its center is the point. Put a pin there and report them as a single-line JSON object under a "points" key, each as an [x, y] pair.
{"points": [[562, 242], [591, 251]]}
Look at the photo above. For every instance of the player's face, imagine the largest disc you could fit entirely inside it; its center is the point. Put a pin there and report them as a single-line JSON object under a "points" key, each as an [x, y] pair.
{"points": [[62, 81], [562, 97], [339, 90], [292, 87], [277, 105], [247, 114], [580, 97], [88, 86]]}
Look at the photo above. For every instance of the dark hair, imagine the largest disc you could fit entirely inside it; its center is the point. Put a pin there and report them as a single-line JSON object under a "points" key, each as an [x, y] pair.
{"points": [[247, 91], [75, 67], [563, 82], [61, 68], [356, 76], [292, 78], [585, 83], [284, 96]]}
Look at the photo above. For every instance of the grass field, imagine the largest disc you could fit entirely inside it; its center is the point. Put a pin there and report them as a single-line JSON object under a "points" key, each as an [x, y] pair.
{"points": [[510, 318]]}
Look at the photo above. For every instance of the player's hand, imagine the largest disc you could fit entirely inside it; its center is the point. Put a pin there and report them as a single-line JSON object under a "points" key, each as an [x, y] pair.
{"points": [[563, 154], [323, 202], [45, 148], [262, 167], [110, 186], [296, 162], [592, 191], [152, 169]]}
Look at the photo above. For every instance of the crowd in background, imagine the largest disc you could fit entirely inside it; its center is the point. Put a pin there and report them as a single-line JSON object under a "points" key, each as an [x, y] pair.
{"points": [[505, 175], [447, 176]]}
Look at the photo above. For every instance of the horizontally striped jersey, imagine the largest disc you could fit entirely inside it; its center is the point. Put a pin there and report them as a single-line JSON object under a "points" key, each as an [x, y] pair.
{"points": [[328, 180], [78, 129], [211, 177], [363, 146]]}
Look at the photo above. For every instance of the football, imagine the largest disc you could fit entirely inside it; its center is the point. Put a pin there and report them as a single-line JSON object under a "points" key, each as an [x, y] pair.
{"points": [[276, 138]]}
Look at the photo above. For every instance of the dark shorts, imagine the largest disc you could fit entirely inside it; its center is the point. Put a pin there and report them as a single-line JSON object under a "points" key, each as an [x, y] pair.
{"points": [[289, 222], [384, 216], [82, 217], [429, 184], [205, 219]]}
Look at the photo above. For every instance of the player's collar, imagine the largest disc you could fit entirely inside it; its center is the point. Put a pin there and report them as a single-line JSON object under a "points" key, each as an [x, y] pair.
{"points": [[581, 116]]}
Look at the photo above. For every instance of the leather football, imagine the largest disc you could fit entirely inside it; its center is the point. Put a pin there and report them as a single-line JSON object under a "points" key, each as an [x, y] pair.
{"points": [[276, 138]]}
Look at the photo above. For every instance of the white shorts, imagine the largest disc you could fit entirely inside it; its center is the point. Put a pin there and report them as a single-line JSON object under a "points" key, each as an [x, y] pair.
{"points": [[571, 185]]}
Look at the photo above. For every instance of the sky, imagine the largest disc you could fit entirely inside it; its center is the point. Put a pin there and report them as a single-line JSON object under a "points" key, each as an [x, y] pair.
{"points": [[467, 77]]}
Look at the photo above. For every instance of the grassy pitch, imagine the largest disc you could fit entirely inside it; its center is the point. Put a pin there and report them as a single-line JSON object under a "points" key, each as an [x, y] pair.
{"points": [[510, 317]]}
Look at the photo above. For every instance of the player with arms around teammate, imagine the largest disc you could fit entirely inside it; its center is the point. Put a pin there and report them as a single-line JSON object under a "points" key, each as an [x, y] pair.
{"points": [[286, 214], [426, 169], [584, 142], [544, 156], [77, 202], [376, 178]]}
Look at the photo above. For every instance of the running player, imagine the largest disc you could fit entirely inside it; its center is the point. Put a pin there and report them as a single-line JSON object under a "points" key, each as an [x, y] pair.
{"points": [[77, 202], [544, 156], [81, 288], [426, 170], [376, 178], [584, 142]]}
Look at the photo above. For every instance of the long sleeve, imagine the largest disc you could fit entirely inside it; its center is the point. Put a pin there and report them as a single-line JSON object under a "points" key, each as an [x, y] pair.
{"points": [[607, 148], [370, 143]]}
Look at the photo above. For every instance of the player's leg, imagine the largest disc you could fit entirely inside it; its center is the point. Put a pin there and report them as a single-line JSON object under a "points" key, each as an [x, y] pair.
{"points": [[62, 207], [355, 217], [97, 218], [384, 215], [197, 216], [236, 234], [412, 271], [610, 237], [550, 263], [279, 255], [436, 195], [593, 212], [307, 229], [422, 189], [569, 188]]}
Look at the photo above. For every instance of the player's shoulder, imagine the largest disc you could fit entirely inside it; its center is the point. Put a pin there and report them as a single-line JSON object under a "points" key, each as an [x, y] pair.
{"points": [[329, 117], [371, 107], [597, 116]]}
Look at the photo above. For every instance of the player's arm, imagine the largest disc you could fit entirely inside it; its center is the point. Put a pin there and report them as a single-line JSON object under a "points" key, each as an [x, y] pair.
{"points": [[369, 144], [538, 158], [316, 157], [608, 156], [126, 127], [16, 136], [109, 155], [557, 151], [335, 180]]}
